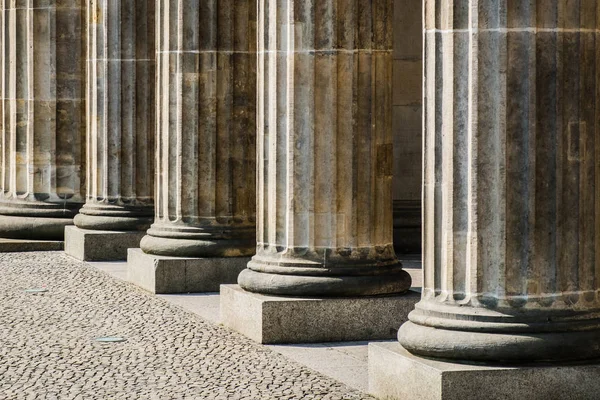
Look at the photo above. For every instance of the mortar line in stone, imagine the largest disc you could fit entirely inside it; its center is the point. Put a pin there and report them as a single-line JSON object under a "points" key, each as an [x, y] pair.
{"points": [[41, 8], [122, 59], [511, 30], [326, 51], [204, 52]]}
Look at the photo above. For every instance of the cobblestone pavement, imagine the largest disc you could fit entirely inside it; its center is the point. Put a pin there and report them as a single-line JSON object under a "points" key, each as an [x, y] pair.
{"points": [[48, 351]]}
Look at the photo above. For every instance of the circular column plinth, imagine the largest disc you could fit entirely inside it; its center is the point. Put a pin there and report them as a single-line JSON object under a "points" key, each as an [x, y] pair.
{"points": [[114, 218], [337, 276], [35, 220], [188, 241], [478, 334]]}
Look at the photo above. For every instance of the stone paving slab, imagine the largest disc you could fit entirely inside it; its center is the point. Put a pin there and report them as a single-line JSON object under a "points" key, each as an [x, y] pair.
{"points": [[47, 347]]}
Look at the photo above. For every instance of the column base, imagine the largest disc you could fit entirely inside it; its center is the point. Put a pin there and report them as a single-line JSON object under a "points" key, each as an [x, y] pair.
{"points": [[501, 334], [92, 245], [277, 319], [33, 228], [103, 217], [394, 373], [169, 275], [23, 245]]}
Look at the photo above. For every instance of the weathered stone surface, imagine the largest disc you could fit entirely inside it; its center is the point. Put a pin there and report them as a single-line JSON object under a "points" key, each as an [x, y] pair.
{"points": [[164, 274], [278, 319], [395, 374], [511, 198], [42, 117], [95, 245], [19, 245], [120, 116], [206, 91], [325, 153]]}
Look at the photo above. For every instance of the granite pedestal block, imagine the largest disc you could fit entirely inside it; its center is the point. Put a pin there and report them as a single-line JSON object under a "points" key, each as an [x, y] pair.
{"points": [[24, 245], [394, 373], [169, 275], [92, 245], [279, 319]]}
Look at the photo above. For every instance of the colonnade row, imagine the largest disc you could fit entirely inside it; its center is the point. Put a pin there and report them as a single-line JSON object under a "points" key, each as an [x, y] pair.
{"points": [[223, 129]]}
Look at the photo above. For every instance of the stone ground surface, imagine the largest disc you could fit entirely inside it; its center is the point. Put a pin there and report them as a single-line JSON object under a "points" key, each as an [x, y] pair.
{"points": [[47, 347]]}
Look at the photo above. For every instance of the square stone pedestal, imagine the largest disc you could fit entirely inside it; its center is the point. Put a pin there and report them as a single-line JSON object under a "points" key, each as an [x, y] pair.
{"points": [[88, 245], [25, 245], [394, 373], [169, 275], [277, 320]]}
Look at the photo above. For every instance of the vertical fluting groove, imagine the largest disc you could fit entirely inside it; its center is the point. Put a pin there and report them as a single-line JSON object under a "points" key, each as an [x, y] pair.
{"points": [[429, 119], [3, 60], [120, 125], [596, 206], [447, 163], [261, 223], [206, 129], [327, 127]]}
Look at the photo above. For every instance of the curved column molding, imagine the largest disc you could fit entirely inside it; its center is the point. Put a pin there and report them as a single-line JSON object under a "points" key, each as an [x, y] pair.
{"points": [[206, 91], [325, 151], [42, 124], [512, 180], [121, 116]]}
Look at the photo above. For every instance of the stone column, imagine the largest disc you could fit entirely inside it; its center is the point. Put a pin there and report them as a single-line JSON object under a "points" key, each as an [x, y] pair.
{"points": [[120, 130], [512, 180], [206, 103], [325, 151], [42, 120]]}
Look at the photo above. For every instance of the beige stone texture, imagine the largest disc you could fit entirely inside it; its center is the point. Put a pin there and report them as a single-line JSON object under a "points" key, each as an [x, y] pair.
{"points": [[280, 319], [99, 245], [165, 275], [395, 374]]}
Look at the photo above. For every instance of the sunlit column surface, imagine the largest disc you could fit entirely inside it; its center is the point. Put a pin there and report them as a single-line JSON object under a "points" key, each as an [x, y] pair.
{"points": [[512, 180], [325, 150]]}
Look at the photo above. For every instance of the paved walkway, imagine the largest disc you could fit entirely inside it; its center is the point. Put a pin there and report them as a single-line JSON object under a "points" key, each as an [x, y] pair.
{"points": [[48, 351]]}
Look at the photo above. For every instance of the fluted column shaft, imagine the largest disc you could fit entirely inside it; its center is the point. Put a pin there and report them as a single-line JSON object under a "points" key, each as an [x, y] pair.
{"points": [[42, 117], [512, 173], [324, 150], [121, 115], [206, 96]]}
